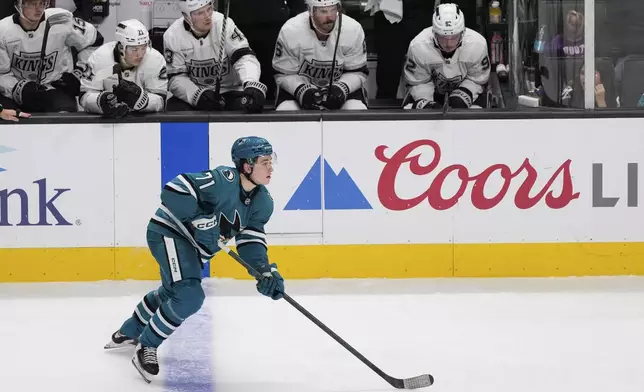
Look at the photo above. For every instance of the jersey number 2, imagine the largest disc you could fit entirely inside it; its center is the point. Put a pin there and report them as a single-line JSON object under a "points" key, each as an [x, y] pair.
{"points": [[410, 65]]}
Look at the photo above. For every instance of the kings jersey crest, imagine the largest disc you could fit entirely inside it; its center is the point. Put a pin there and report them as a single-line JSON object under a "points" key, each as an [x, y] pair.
{"points": [[27, 65], [204, 72], [319, 72]]}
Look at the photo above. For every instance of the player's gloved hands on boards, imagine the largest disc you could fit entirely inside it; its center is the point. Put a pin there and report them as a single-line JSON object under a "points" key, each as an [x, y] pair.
{"points": [[309, 96], [132, 95], [254, 96], [111, 106], [336, 96], [68, 82], [272, 285], [208, 100]]}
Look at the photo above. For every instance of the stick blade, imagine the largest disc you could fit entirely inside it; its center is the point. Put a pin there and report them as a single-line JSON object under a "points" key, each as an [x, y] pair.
{"points": [[421, 381]]}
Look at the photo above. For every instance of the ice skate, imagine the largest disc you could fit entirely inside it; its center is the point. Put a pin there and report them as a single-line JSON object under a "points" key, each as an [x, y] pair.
{"points": [[120, 341], [145, 361]]}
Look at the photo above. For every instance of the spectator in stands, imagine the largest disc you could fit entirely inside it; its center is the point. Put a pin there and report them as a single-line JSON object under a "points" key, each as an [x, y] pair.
{"points": [[261, 21], [396, 23], [605, 96], [571, 42], [559, 69], [632, 89], [12, 115]]}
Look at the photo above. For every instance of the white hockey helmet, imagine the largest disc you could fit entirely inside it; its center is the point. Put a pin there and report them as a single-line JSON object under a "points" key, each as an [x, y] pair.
{"points": [[132, 32], [322, 3], [448, 21], [187, 6]]}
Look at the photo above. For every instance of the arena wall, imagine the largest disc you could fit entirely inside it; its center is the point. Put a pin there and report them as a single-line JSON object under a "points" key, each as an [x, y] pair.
{"points": [[397, 199]]}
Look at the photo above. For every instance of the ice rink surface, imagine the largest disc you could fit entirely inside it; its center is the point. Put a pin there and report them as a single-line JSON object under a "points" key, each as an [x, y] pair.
{"points": [[472, 335]]}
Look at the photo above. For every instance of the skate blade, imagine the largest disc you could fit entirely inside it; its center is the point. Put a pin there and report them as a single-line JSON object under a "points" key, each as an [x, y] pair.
{"points": [[111, 346], [147, 378]]}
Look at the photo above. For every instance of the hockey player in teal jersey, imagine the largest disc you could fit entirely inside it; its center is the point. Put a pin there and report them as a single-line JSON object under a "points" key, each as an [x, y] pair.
{"points": [[197, 210]]}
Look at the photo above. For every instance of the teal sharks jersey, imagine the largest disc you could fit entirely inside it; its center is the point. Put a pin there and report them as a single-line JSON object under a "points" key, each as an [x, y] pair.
{"points": [[202, 207]]}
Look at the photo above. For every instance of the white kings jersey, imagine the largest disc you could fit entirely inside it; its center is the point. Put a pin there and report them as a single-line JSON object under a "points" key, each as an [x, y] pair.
{"points": [[20, 50], [301, 58], [192, 62], [100, 76], [427, 71]]}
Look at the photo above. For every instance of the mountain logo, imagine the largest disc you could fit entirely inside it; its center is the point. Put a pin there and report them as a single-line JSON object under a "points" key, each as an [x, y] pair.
{"points": [[3, 150], [340, 191]]}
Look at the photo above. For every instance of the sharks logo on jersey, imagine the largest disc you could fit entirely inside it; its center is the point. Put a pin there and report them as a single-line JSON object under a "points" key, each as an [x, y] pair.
{"points": [[228, 229], [204, 72], [28, 64], [228, 175], [319, 72]]}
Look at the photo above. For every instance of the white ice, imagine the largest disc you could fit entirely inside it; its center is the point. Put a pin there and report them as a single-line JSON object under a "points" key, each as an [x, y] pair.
{"points": [[496, 335]]}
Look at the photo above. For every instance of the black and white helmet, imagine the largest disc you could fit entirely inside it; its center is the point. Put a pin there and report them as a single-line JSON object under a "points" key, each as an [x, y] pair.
{"points": [[448, 20], [132, 32]]}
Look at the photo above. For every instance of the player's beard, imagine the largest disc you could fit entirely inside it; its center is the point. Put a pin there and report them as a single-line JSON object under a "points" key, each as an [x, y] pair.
{"points": [[328, 27], [324, 28]]}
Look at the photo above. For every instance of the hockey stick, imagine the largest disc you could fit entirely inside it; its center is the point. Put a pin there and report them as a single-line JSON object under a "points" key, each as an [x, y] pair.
{"points": [[118, 70], [222, 42], [335, 50], [445, 103], [335, 53], [421, 381], [53, 20]]}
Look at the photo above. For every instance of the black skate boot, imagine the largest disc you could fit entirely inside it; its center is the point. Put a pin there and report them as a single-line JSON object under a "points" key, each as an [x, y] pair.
{"points": [[145, 361], [120, 341]]}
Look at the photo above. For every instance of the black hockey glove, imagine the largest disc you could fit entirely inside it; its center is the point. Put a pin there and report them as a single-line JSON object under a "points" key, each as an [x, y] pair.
{"points": [[111, 106], [132, 95], [336, 96], [425, 104], [309, 96], [69, 83], [209, 101], [272, 284], [253, 97], [30, 94]]}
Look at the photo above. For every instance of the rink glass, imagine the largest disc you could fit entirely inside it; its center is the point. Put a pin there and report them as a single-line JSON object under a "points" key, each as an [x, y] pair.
{"points": [[577, 54]]}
